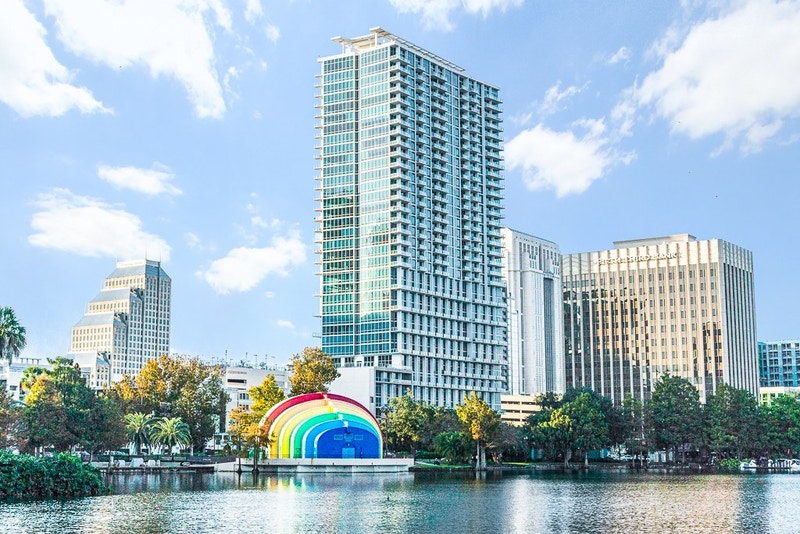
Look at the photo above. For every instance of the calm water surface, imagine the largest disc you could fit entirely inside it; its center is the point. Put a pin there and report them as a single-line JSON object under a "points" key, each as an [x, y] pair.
{"points": [[424, 502]]}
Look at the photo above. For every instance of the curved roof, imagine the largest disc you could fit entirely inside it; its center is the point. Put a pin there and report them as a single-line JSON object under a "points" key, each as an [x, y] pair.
{"points": [[297, 424]]}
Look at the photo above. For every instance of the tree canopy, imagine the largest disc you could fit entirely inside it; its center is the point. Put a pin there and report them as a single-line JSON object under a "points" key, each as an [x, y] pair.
{"points": [[12, 334], [312, 371], [480, 421], [178, 387]]}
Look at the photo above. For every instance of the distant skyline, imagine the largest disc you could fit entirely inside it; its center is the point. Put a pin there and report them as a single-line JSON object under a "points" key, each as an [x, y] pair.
{"points": [[184, 131]]}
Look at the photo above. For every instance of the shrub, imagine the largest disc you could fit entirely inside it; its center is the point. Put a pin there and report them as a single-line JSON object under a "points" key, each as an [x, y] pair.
{"points": [[62, 476]]}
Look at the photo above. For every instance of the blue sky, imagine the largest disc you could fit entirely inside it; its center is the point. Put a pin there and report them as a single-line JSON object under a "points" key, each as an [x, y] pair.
{"points": [[185, 129]]}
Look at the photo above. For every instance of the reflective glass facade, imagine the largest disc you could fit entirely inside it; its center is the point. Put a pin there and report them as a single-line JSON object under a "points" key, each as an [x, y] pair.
{"points": [[410, 186], [655, 306]]}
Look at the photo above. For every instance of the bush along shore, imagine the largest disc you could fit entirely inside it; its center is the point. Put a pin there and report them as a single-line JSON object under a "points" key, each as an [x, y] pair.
{"points": [[58, 477]]}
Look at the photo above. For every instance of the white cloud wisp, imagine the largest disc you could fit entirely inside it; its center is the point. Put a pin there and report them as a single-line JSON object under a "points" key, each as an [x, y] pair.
{"points": [[737, 75], [244, 267], [32, 81], [148, 181], [169, 37], [89, 227], [563, 161], [436, 13]]}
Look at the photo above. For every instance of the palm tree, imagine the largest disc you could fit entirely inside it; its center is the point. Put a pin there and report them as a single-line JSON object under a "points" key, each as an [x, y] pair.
{"points": [[12, 335], [171, 432], [137, 427]]}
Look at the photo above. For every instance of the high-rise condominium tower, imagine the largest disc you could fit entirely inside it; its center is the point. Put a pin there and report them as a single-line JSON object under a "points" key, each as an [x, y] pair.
{"points": [[662, 305], [410, 214], [532, 271], [128, 323]]}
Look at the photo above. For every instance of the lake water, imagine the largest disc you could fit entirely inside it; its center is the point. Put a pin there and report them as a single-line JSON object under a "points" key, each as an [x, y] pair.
{"points": [[424, 502]]}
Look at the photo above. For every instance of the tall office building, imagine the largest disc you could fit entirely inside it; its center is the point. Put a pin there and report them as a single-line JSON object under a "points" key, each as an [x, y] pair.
{"points": [[532, 272], [127, 324], [410, 186], [655, 306], [779, 363]]}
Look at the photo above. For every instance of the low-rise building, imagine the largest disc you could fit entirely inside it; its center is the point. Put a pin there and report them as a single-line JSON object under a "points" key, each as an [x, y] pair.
{"points": [[515, 409]]}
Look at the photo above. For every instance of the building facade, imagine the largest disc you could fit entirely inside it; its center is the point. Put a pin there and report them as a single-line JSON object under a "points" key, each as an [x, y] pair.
{"points": [[655, 306], [778, 363], [126, 324], [410, 193], [532, 273]]}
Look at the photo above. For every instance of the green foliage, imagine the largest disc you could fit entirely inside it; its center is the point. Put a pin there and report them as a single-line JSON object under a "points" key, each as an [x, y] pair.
{"points": [[177, 387], [731, 421], [10, 418], [63, 412], [312, 371], [453, 446], [170, 431], [405, 422], [578, 424], [29, 477], [673, 413], [480, 423], [265, 396], [12, 334], [138, 427]]}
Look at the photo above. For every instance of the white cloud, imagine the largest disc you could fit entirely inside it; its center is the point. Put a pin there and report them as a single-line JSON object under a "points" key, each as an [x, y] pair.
{"points": [[283, 323], [171, 38], [32, 81], [563, 161], [90, 227], [269, 294], [621, 55], [436, 13], [554, 96], [192, 240], [244, 268], [253, 11], [737, 75], [273, 32], [148, 181]]}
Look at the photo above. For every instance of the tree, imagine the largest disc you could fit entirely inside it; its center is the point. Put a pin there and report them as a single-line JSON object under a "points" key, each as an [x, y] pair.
{"points": [[634, 427], [576, 425], [29, 377], [590, 430], [508, 441], [10, 416], [12, 335], [556, 434], [138, 427], [170, 431], [731, 421], [780, 426], [246, 421], [673, 413], [59, 407], [453, 446], [312, 371], [405, 422], [265, 396], [178, 387], [105, 426], [481, 423]]}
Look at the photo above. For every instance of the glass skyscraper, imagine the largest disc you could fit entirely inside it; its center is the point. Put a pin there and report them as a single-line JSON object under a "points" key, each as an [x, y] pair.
{"points": [[410, 185]]}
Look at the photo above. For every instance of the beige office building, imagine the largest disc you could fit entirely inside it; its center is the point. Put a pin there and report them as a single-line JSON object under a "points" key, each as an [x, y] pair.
{"points": [[126, 324], [662, 305]]}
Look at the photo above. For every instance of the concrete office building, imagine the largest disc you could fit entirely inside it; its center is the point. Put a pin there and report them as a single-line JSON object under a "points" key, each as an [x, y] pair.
{"points": [[532, 272], [410, 193], [779, 363], [126, 324], [663, 305]]}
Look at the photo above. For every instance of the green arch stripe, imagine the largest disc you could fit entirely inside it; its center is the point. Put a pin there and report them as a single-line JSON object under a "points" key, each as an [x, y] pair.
{"points": [[298, 439], [285, 440]]}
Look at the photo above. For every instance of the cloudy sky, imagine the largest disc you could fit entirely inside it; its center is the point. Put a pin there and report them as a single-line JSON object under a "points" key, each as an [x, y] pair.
{"points": [[184, 130]]}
